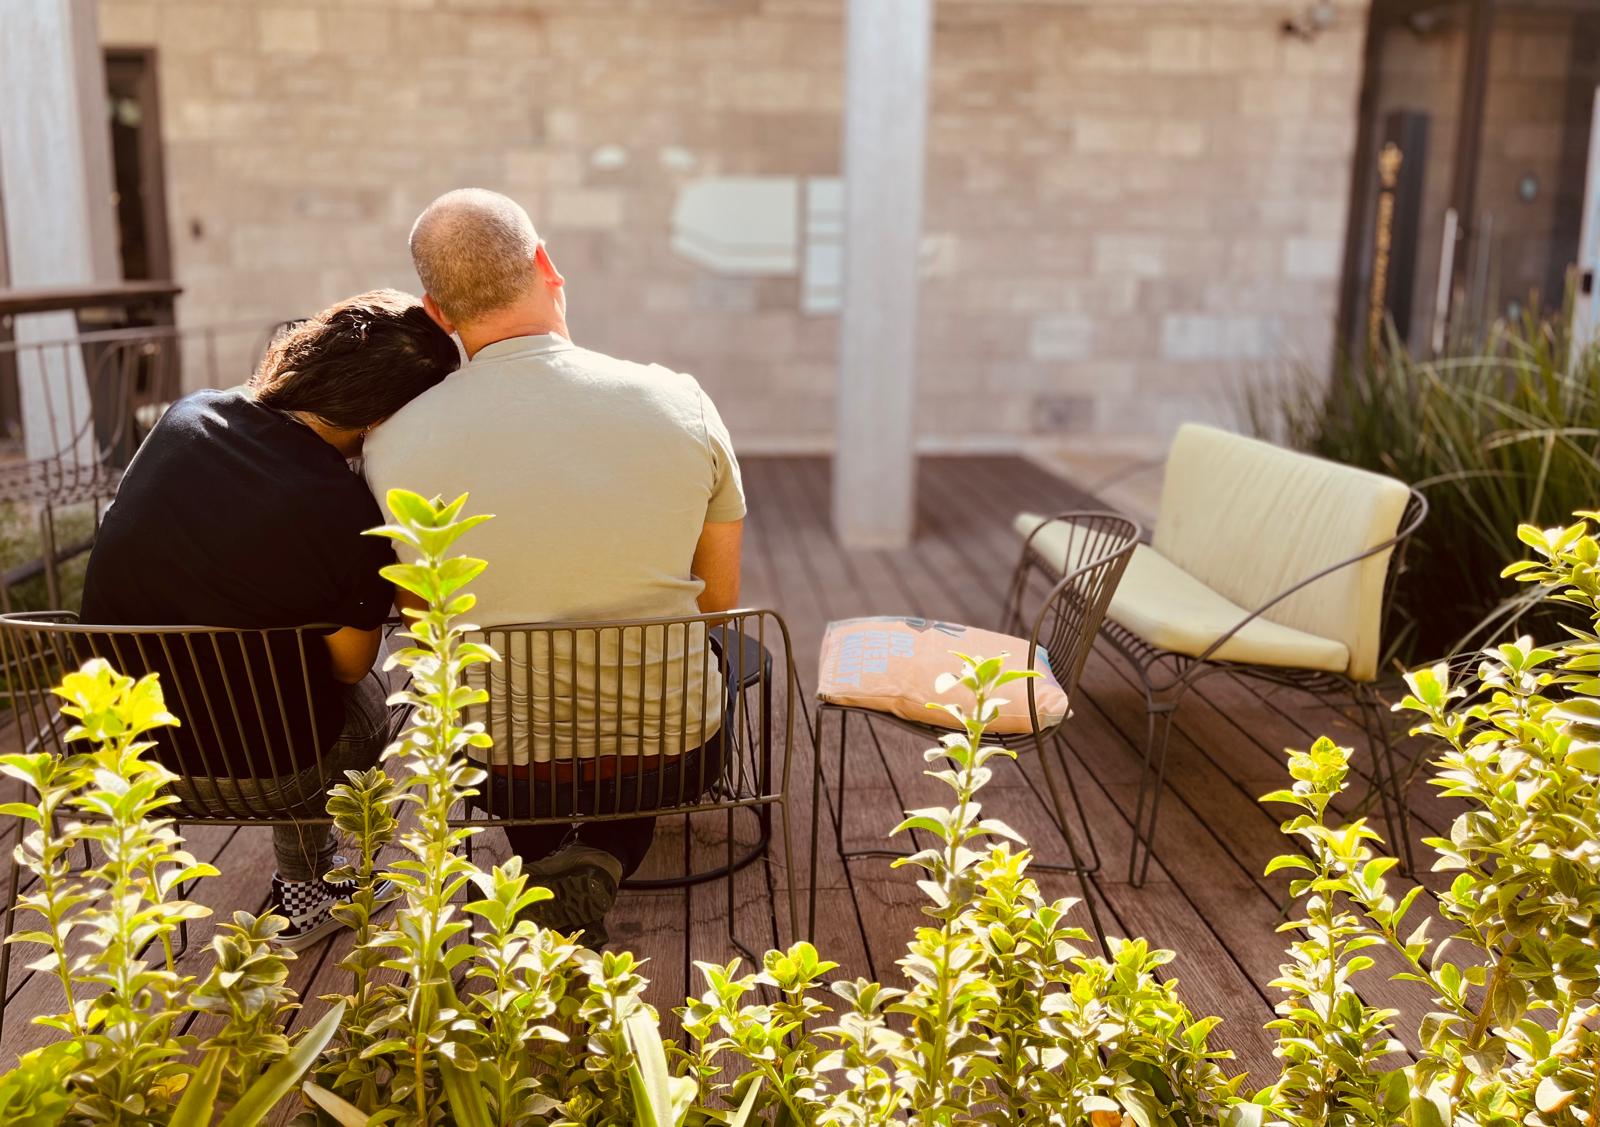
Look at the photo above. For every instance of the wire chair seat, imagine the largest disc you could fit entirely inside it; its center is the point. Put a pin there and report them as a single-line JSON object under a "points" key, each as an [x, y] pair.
{"points": [[254, 716]]}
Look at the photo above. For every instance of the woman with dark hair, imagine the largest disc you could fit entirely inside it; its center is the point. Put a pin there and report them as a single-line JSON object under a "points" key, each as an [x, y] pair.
{"points": [[241, 510]]}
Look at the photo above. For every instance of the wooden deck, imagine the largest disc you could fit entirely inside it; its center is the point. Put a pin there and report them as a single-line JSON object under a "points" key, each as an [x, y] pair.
{"points": [[1206, 897]]}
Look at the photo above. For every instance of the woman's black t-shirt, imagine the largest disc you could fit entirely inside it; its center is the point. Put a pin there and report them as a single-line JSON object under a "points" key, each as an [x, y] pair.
{"points": [[237, 515]]}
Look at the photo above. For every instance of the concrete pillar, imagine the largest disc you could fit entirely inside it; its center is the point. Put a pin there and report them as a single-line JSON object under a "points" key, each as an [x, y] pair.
{"points": [[886, 109], [56, 188]]}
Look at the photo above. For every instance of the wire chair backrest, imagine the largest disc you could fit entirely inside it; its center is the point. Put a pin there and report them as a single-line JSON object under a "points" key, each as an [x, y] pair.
{"points": [[254, 705], [1070, 613], [610, 718], [1416, 512]]}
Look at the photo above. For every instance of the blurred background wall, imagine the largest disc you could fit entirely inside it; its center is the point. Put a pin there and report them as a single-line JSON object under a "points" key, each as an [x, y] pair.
{"points": [[1130, 203]]}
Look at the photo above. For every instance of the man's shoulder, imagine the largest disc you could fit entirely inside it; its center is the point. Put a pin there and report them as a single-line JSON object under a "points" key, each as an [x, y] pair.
{"points": [[647, 378]]}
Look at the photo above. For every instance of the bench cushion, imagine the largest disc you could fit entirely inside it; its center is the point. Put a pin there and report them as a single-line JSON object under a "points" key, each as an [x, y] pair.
{"points": [[1172, 610], [1250, 519]]}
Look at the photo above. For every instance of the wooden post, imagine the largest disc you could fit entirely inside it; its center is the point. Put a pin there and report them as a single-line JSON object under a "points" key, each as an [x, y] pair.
{"points": [[886, 104], [55, 181]]}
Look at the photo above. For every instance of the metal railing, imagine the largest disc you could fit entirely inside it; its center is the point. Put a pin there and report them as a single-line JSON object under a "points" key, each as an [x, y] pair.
{"points": [[73, 410]]}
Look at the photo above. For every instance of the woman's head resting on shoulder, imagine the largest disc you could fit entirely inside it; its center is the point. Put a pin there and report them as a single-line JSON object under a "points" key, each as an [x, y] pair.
{"points": [[345, 370]]}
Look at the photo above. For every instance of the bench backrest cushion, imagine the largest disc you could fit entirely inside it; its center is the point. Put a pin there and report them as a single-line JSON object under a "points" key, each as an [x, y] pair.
{"points": [[1250, 519]]}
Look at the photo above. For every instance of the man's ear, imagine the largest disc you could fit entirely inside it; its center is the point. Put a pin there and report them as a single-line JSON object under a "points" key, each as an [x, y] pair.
{"points": [[547, 269], [432, 309]]}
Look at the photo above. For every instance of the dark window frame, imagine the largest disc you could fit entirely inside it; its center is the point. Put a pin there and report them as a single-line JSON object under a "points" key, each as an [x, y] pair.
{"points": [[140, 64]]}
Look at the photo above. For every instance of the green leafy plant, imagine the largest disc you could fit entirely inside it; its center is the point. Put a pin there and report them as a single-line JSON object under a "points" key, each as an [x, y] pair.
{"points": [[1499, 430], [1006, 1020], [1513, 1034], [1332, 1043], [107, 937], [462, 1010]]}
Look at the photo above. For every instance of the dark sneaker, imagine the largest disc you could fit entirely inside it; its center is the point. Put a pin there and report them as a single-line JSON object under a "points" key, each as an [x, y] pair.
{"points": [[308, 906], [584, 880]]}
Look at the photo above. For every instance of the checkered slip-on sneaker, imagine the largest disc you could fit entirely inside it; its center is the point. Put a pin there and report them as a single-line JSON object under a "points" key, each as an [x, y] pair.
{"points": [[308, 906], [584, 880]]}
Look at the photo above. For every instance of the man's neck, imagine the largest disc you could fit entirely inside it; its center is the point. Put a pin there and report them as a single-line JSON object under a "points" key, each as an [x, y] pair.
{"points": [[475, 338]]}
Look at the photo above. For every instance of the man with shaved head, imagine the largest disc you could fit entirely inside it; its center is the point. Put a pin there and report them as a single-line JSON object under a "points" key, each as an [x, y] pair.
{"points": [[616, 495]]}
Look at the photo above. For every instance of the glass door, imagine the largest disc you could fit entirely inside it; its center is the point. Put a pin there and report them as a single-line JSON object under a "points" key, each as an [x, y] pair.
{"points": [[1531, 176], [1473, 171]]}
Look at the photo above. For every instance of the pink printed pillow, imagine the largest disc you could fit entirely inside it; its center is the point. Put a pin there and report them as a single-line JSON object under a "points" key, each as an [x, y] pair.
{"points": [[890, 665]]}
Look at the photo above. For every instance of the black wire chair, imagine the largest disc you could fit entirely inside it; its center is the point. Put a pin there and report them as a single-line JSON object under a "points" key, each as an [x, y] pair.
{"points": [[252, 707], [1064, 626], [601, 721]]}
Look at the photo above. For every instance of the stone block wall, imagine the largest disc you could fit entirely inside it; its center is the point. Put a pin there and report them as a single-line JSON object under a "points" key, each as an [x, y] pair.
{"points": [[1132, 204]]}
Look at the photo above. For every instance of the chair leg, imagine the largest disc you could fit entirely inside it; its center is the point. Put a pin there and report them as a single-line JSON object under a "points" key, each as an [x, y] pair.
{"points": [[1077, 800], [788, 867], [766, 750], [1391, 788], [1158, 731], [7, 922], [733, 940], [1379, 788], [838, 811], [816, 819], [1083, 871], [817, 797]]}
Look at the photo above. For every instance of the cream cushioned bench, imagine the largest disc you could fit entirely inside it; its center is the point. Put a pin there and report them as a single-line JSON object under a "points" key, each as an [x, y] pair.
{"points": [[1243, 525]]}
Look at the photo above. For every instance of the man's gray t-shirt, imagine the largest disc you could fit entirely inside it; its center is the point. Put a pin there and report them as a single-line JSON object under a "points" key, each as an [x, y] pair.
{"points": [[601, 475]]}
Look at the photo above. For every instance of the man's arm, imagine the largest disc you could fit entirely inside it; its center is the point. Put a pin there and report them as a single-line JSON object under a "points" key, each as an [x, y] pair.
{"points": [[352, 652], [716, 564], [405, 600]]}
